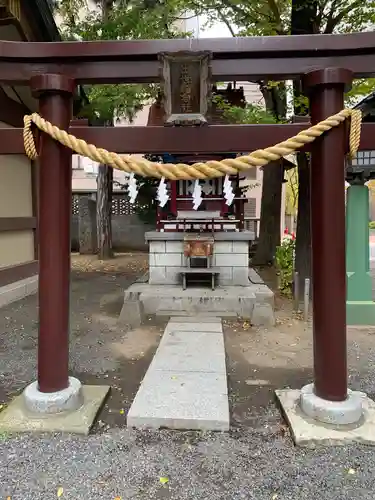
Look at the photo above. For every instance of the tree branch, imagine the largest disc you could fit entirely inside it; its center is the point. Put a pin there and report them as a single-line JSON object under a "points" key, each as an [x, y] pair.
{"points": [[246, 15], [275, 11], [226, 22], [332, 22]]}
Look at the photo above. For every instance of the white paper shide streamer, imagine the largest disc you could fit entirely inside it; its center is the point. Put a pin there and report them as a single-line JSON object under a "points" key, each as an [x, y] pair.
{"points": [[228, 191], [197, 195], [162, 194], [132, 188]]}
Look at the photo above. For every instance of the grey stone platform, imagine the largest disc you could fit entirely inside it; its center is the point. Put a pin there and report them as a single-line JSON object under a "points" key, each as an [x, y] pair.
{"points": [[15, 417], [309, 433], [254, 302], [185, 386]]}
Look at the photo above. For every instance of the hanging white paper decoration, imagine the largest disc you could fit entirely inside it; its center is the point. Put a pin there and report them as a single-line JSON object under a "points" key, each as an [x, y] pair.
{"points": [[197, 195], [162, 194], [132, 188], [228, 191], [206, 185]]}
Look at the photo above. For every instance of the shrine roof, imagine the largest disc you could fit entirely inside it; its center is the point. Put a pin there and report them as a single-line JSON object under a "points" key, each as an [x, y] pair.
{"points": [[233, 96], [367, 106], [40, 15]]}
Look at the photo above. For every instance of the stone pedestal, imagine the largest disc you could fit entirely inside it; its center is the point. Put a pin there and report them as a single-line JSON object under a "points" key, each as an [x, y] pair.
{"points": [[254, 303], [235, 297], [230, 255], [87, 233], [345, 412], [43, 403]]}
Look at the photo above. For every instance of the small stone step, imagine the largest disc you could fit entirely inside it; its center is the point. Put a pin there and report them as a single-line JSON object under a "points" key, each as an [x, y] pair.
{"points": [[202, 319], [171, 314], [193, 326]]}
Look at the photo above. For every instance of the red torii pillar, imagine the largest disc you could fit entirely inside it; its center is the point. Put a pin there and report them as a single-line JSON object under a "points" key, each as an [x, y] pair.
{"points": [[328, 399], [54, 390]]}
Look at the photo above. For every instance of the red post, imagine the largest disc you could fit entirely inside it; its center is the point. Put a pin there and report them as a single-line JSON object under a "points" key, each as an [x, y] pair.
{"points": [[326, 92], [55, 94], [173, 203]]}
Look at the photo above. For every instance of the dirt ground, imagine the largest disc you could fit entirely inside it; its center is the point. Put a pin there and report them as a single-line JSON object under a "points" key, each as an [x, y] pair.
{"points": [[256, 460], [259, 360]]}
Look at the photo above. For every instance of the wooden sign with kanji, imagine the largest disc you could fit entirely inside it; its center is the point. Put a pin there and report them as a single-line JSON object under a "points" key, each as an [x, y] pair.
{"points": [[185, 78]]}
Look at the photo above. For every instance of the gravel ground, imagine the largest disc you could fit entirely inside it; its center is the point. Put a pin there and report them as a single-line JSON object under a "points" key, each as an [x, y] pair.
{"points": [[256, 460], [254, 464]]}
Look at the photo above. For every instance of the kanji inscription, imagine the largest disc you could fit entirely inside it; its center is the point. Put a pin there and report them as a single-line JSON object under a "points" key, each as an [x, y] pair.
{"points": [[186, 87]]}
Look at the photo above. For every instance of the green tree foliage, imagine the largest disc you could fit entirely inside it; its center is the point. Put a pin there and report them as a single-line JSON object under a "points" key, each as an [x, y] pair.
{"points": [[125, 20], [273, 17], [142, 19], [116, 20], [250, 113], [284, 17]]}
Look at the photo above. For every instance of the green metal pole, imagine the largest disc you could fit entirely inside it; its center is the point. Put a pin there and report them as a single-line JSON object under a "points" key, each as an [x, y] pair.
{"points": [[359, 286], [360, 307]]}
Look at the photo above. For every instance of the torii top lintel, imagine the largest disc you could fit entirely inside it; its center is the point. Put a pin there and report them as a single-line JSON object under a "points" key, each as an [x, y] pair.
{"points": [[239, 58]]}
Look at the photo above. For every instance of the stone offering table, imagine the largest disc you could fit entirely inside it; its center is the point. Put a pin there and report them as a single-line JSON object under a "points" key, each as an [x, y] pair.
{"points": [[230, 256]]}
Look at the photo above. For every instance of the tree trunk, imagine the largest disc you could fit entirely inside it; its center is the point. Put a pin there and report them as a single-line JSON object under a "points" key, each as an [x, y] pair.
{"points": [[104, 212], [104, 208], [270, 213], [269, 231], [105, 184]]}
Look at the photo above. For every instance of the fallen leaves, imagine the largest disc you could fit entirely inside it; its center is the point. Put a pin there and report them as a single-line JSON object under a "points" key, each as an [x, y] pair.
{"points": [[351, 472], [121, 264], [164, 480], [60, 492], [283, 429]]}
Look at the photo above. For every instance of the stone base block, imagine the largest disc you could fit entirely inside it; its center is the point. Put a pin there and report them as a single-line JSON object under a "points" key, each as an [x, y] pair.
{"points": [[69, 399], [181, 400], [309, 432], [16, 418], [263, 314], [223, 302], [360, 313], [331, 412], [132, 310], [18, 290]]}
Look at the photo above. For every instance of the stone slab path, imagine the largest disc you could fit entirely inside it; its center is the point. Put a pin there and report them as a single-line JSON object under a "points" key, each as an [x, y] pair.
{"points": [[185, 386]]}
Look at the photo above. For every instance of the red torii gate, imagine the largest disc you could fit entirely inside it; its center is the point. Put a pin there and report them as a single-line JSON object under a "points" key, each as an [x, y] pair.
{"points": [[327, 64]]}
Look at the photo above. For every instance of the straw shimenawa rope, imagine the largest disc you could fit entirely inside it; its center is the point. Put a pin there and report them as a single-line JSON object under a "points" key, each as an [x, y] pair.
{"points": [[207, 170]]}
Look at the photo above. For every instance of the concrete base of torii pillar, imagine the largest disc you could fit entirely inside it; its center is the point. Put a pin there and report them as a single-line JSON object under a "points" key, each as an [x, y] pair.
{"points": [[72, 410], [325, 423]]}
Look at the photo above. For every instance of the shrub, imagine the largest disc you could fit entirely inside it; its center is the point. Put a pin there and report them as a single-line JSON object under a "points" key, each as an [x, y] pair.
{"points": [[371, 224], [284, 260]]}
